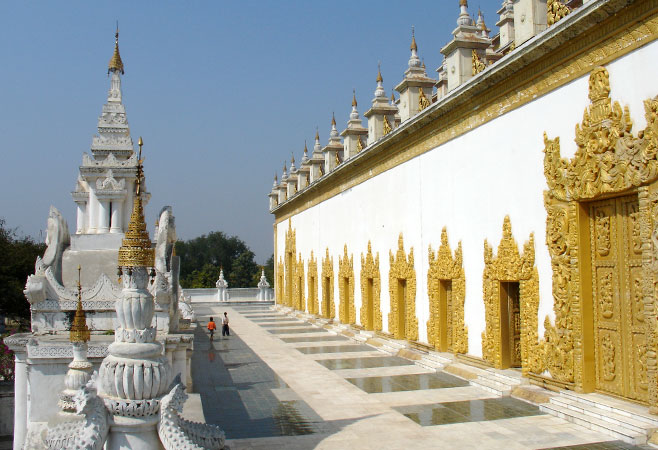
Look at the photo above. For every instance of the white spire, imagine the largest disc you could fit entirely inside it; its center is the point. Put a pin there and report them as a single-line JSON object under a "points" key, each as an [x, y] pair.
{"points": [[414, 60], [305, 156], [379, 91], [354, 115], [464, 18], [317, 147]]}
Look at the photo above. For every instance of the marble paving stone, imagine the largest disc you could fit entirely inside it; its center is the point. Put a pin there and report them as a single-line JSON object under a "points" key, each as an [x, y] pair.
{"points": [[292, 340], [334, 349], [407, 382], [411, 369], [341, 415], [610, 445], [469, 411], [365, 363], [296, 330]]}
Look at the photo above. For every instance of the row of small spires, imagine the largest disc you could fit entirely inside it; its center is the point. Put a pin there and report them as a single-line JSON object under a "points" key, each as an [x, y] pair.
{"points": [[484, 31], [477, 28]]}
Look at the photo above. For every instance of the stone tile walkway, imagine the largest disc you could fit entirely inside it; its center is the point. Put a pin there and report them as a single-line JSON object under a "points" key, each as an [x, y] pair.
{"points": [[278, 382]]}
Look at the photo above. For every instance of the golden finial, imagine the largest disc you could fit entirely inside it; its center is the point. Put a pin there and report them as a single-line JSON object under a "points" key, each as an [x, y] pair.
{"points": [[463, 3], [354, 98], [79, 330], [317, 134], [333, 120], [276, 178], [136, 249], [414, 47], [116, 65], [305, 149], [392, 97], [284, 166], [379, 73], [292, 159]]}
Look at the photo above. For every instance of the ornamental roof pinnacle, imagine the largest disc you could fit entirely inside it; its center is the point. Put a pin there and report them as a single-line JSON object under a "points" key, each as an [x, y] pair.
{"points": [[414, 47], [333, 120], [354, 98], [379, 73], [79, 329], [136, 249], [463, 3], [116, 65]]}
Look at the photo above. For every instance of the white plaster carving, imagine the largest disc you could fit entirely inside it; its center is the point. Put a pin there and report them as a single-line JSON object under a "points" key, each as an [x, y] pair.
{"points": [[176, 433]]}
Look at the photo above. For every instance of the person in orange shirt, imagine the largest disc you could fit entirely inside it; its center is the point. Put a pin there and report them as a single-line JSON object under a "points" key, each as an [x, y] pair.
{"points": [[212, 327]]}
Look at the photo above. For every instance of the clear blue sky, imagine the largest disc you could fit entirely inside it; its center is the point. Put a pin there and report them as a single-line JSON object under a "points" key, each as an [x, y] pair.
{"points": [[221, 92]]}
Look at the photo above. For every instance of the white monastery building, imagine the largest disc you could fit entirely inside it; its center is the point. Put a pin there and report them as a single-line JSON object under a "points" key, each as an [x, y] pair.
{"points": [[503, 214]]}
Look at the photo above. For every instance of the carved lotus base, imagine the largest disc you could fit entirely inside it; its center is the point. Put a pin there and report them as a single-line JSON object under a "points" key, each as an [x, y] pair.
{"points": [[132, 408], [134, 379]]}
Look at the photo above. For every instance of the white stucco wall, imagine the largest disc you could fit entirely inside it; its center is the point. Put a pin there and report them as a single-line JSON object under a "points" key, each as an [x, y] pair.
{"points": [[468, 185]]}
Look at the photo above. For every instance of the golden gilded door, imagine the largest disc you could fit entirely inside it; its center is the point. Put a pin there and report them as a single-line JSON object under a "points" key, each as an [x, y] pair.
{"points": [[510, 324], [619, 327]]}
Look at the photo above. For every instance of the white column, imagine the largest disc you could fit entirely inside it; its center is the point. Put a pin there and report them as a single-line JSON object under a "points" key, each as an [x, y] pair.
{"points": [[103, 217], [82, 209], [117, 217], [20, 399], [92, 213]]}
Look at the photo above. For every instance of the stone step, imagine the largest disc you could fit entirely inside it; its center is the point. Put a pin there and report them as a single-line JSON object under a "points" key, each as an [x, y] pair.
{"points": [[433, 361], [615, 406], [493, 386], [511, 377], [634, 423], [618, 431]]}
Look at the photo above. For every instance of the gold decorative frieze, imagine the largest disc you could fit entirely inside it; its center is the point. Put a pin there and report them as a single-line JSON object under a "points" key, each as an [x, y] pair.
{"points": [[327, 280], [446, 286], [290, 265], [556, 11], [299, 302], [423, 101], [387, 126], [347, 312], [601, 235], [371, 287], [402, 320], [477, 63], [312, 282], [511, 303]]}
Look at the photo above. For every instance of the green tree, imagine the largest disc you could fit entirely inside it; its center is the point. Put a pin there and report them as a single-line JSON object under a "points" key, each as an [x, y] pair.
{"points": [[202, 257], [17, 257]]}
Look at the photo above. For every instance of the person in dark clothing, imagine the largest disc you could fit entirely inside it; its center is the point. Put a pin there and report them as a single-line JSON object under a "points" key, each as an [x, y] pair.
{"points": [[225, 330]]}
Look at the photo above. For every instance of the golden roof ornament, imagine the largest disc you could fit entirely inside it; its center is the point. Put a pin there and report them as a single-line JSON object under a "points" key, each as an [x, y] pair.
{"points": [[414, 47], [79, 330], [333, 119], [379, 73], [136, 249], [463, 2], [116, 65], [354, 98]]}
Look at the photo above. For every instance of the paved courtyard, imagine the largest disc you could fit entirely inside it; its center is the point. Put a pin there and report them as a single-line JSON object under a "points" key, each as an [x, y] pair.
{"points": [[279, 382]]}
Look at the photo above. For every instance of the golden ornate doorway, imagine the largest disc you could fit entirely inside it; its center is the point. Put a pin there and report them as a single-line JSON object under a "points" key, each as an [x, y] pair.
{"points": [[291, 264], [602, 241], [402, 320], [328, 308], [312, 275], [619, 323], [371, 314]]}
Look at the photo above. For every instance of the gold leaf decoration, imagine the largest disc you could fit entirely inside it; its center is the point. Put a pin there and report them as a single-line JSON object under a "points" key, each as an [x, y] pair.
{"points": [[312, 280], [402, 290], [328, 308], [445, 267], [347, 311], [510, 266], [370, 274]]}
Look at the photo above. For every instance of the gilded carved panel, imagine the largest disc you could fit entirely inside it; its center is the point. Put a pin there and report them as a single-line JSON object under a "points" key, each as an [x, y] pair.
{"points": [[312, 282], [371, 286], [445, 267], [327, 280], [347, 312], [402, 320], [298, 286], [279, 282], [609, 161], [510, 266], [290, 264]]}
